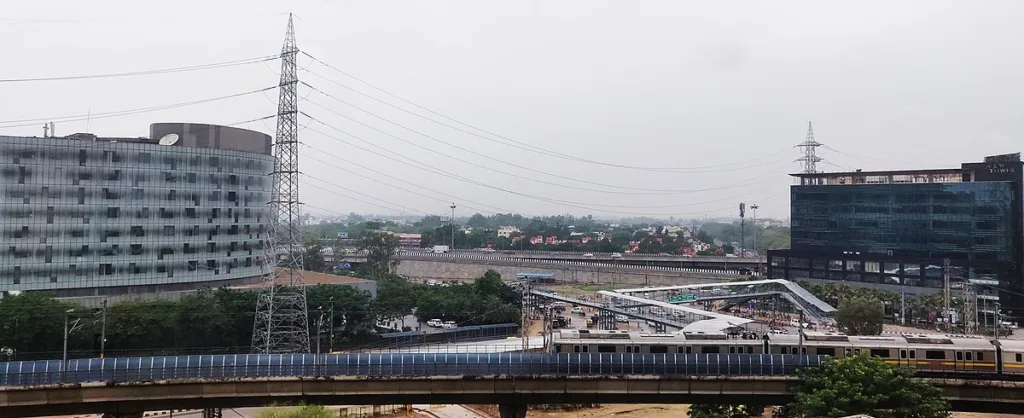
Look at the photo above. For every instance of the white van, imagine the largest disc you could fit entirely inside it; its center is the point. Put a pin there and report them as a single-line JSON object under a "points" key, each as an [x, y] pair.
{"points": [[436, 323], [448, 324]]}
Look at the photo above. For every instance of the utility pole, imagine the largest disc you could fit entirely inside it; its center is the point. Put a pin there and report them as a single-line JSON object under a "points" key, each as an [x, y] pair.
{"points": [[281, 323], [453, 226], [970, 310], [331, 342], [753, 209], [743, 209], [103, 331], [903, 308], [945, 294], [998, 322]]}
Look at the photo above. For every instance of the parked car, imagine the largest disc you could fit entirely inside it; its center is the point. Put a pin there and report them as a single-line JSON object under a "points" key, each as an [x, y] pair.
{"points": [[588, 255], [449, 324], [436, 323], [578, 311], [616, 255], [621, 318]]}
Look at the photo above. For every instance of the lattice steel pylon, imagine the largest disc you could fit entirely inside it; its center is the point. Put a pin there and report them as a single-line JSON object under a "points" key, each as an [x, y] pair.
{"points": [[281, 324], [810, 158]]}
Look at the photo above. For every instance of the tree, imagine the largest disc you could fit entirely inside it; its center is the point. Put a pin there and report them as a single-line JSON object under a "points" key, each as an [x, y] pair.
{"points": [[477, 221], [381, 249], [866, 385], [860, 316], [313, 260], [305, 411]]}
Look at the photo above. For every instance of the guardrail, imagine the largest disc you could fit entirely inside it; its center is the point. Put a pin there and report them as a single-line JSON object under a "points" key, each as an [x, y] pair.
{"points": [[149, 369]]}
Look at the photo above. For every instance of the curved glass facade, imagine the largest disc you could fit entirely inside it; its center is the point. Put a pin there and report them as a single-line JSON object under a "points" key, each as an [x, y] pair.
{"points": [[87, 217]]}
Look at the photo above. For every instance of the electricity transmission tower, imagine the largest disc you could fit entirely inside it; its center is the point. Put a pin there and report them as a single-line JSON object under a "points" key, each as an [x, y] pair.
{"points": [[810, 158], [281, 324]]}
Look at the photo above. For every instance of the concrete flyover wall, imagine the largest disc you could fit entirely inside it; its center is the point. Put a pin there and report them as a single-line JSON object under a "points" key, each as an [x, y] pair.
{"points": [[454, 268]]}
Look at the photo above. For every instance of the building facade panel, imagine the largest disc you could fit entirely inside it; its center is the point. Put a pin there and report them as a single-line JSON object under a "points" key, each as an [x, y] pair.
{"points": [[93, 216]]}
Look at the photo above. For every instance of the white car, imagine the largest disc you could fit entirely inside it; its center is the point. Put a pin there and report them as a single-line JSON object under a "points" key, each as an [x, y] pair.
{"points": [[449, 324], [588, 255], [621, 318], [488, 250], [436, 323], [616, 255], [577, 310]]}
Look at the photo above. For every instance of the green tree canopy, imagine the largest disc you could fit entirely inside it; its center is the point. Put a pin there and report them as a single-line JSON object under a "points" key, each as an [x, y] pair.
{"points": [[866, 385], [860, 316], [724, 411], [305, 411], [381, 250]]}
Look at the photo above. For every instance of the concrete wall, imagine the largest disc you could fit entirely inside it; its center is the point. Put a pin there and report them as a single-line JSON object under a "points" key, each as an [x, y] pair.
{"points": [[452, 270]]}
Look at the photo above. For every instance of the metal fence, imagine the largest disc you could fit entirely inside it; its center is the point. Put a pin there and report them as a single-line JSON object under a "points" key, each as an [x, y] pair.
{"points": [[146, 369]]}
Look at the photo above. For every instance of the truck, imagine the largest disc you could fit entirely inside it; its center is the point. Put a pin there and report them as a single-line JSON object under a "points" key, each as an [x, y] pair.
{"points": [[439, 249]]}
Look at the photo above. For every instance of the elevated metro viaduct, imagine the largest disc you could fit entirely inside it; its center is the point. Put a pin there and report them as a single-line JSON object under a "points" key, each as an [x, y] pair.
{"points": [[738, 265], [126, 387]]}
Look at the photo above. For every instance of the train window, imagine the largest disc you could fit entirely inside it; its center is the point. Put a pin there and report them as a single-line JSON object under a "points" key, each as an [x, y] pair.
{"points": [[1018, 357], [586, 349], [689, 350], [558, 348], [960, 355], [659, 349], [856, 351], [710, 349], [934, 354], [903, 353], [805, 351], [883, 353], [849, 352], [750, 349], [636, 348], [604, 348], [968, 356], [980, 356], [827, 351], [629, 348], [913, 354], [575, 349], [732, 349]]}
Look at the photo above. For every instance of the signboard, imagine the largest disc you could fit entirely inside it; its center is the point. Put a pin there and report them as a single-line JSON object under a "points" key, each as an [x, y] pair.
{"points": [[343, 235], [683, 298]]}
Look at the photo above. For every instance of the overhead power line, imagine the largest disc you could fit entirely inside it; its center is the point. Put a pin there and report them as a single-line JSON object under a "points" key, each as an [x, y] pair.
{"points": [[510, 142], [145, 72], [497, 160], [514, 175], [104, 115], [448, 174]]}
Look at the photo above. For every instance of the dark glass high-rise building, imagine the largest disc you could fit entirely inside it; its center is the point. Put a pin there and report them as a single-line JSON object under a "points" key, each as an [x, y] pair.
{"points": [[898, 229]]}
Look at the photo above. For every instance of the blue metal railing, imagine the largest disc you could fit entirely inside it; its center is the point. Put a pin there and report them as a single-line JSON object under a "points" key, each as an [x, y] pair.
{"points": [[144, 369]]}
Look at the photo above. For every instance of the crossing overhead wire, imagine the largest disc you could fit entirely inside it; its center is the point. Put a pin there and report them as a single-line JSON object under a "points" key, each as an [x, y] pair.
{"points": [[490, 136], [104, 115], [648, 192], [146, 72], [444, 173], [322, 152], [353, 194], [497, 160]]}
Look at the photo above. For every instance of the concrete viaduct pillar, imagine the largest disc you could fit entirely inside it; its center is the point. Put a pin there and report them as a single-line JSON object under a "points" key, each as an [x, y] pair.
{"points": [[514, 410]]}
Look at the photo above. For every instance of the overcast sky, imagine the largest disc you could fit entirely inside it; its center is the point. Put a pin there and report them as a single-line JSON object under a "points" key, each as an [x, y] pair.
{"points": [[720, 92]]}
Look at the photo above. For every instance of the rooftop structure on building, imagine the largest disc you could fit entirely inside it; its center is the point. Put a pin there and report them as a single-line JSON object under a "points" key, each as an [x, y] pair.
{"points": [[896, 230]]}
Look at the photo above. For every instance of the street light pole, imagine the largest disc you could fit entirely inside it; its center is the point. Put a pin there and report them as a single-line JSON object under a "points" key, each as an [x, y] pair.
{"points": [[453, 226], [331, 348], [103, 331], [319, 327]]}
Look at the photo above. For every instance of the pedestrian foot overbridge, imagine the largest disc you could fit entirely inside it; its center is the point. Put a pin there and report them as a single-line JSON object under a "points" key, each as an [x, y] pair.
{"points": [[129, 386]]}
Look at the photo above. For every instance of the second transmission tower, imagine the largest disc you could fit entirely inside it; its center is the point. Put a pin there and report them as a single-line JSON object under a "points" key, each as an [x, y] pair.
{"points": [[281, 324], [810, 146]]}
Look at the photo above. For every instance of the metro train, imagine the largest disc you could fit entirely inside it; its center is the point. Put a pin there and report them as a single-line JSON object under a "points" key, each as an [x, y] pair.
{"points": [[928, 353]]}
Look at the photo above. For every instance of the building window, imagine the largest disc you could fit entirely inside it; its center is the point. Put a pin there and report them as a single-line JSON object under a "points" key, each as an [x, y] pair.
{"points": [[168, 230], [136, 249]]}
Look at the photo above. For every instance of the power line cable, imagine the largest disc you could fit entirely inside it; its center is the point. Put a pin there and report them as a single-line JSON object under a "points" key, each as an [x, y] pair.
{"points": [[735, 185], [146, 72], [396, 178], [766, 179], [105, 115], [455, 176], [514, 143], [498, 160], [403, 208]]}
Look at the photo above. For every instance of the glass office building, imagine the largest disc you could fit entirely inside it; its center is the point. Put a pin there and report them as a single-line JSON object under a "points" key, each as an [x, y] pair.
{"points": [[84, 215], [900, 229]]}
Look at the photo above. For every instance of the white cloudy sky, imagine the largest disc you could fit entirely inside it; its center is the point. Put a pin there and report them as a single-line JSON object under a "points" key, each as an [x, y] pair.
{"points": [[718, 91]]}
